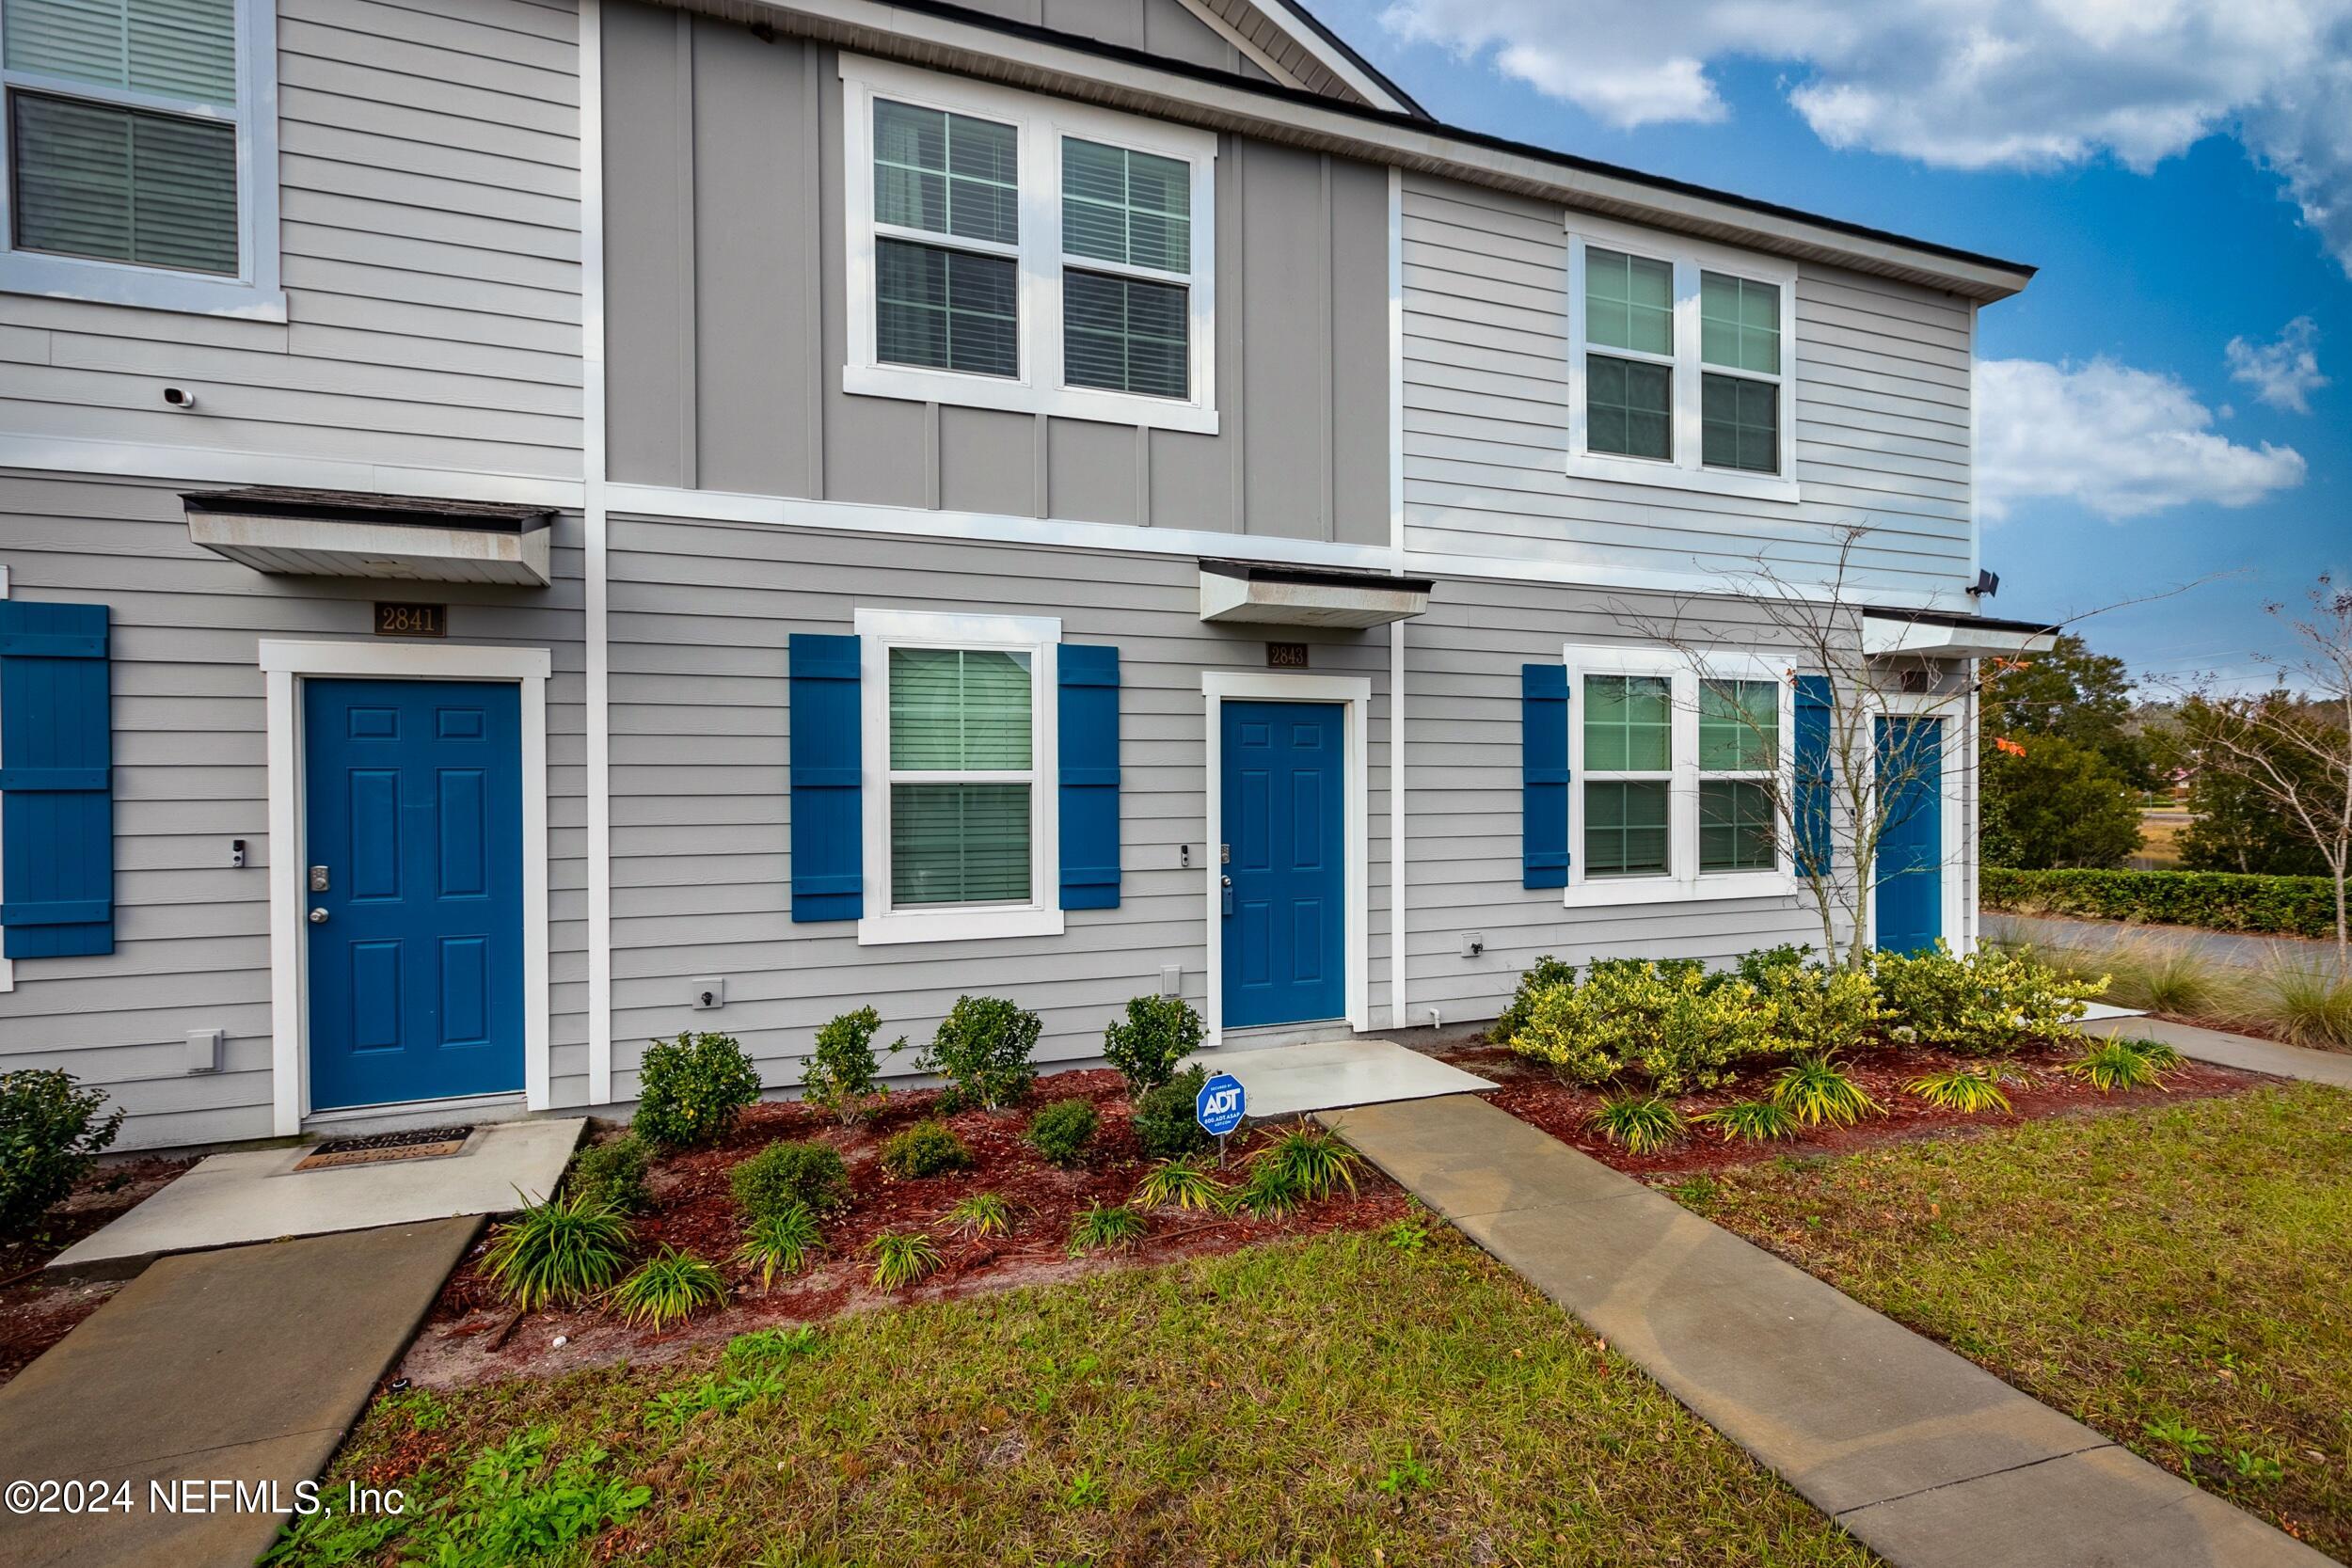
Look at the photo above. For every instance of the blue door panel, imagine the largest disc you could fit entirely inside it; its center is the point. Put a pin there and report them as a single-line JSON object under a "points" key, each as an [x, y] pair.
{"points": [[415, 811], [1283, 811], [1910, 883]]}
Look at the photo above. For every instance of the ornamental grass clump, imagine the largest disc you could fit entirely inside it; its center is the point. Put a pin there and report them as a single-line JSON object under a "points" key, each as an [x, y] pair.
{"points": [[1318, 1162], [1638, 1123], [1103, 1227], [780, 1242], [1752, 1121], [2110, 1064], [563, 1251], [1153, 1041], [981, 1214], [842, 1077], [1180, 1184], [2310, 1003], [929, 1148], [1817, 1091], [668, 1288], [903, 1257], [1971, 1090]]}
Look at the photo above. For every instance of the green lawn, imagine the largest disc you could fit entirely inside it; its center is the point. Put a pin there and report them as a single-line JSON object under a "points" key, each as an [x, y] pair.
{"points": [[1358, 1399], [2179, 1277]]}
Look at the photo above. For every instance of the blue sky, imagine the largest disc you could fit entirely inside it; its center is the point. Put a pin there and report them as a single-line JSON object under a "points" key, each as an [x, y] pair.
{"points": [[2128, 459]]}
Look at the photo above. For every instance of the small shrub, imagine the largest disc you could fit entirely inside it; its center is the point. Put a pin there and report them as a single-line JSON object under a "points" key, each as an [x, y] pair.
{"points": [[1811, 1006], [2310, 1003], [981, 1214], [1164, 1123], [903, 1257], [1064, 1132], [51, 1134], [842, 1078], [1319, 1162], [1760, 965], [810, 1175], [1679, 1026], [564, 1250], [1151, 1041], [1815, 1091], [1271, 1189], [2120, 1064], [1102, 1228], [781, 1243], [692, 1091], [1971, 1090], [982, 1049], [1180, 1184], [1754, 1121], [1545, 974], [668, 1288], [1564, 1032], [613, 1173], [926, 1149], [1638, 1123], [1989, 1003]]}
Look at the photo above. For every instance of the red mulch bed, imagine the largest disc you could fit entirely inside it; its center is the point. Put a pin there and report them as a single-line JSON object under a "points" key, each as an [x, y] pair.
{"points": [[37, 1311], [471, 1335], [2038, 1088]]}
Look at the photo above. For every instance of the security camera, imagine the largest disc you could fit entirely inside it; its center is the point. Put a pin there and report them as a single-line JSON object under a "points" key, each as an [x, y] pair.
{"points": [[179, 397]]}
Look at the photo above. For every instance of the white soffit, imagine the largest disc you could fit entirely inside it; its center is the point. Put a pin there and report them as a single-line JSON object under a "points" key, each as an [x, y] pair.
{"points": [[1889, 634], [322, 533], [1246, 592]]}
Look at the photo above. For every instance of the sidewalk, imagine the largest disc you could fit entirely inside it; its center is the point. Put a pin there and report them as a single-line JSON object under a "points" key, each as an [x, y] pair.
{"points": [[241, 1365], [1926, 1458], [2238, 1051]]}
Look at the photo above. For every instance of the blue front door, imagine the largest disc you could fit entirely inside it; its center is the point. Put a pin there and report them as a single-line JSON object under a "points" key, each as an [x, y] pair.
{"points": [[1910, 883], [1284, 806], [412, 872]]}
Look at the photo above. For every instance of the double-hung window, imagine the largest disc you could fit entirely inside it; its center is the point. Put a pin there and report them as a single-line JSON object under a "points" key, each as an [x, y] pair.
{"points": [[1008, 250], [1678, 365], [140, 147], [958, 737], [1679, 775]]}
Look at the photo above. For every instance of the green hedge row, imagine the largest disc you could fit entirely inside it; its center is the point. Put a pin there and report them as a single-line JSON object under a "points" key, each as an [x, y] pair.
{"points": [[2219, 900]]}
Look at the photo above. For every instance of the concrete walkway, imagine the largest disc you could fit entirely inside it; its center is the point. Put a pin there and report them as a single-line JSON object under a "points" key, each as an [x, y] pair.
{"points": [[1926, 1458], [2238, 1051], [1322, 1075], [244, 1365]]}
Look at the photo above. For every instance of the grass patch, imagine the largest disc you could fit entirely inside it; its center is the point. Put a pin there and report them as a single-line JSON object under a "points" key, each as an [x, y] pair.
{"points": [[1342, 1399], [2179, 1277]]}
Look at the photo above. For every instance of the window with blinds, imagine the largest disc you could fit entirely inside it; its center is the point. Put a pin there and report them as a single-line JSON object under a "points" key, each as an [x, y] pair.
{"points": [[962, 775], [1628, 772], [122, 131], [940, 177], [1126, 239], [1738, 762]]}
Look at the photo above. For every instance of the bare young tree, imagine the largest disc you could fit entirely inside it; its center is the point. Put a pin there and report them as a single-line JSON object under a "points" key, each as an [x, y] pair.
{"points": [[2291, 747]]}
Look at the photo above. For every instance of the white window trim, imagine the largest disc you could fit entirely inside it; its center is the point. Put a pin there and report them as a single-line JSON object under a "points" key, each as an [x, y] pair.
{"points": [[1960, 852], [1040, 122], [1354, 694], [1688, 259], [284, 664], [1040, 637], [1683, 881], [254, 293]]}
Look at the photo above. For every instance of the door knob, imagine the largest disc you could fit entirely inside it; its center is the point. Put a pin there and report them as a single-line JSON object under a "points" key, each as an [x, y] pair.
{"points": [[318, 917], [1225, 886]]}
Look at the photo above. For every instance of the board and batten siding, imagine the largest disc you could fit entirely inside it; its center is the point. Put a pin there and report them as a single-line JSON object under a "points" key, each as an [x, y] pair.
{"points": [[191, 774], [429, 231], [1882, 421], [701, 616], [729, 321], [1462, 723]]}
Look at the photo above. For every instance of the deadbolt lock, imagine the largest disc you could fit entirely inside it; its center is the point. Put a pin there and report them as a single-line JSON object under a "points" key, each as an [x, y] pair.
{"points": [[318, 878]]}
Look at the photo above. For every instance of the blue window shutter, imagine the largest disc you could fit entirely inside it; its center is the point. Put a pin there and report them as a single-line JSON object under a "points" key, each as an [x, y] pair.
{"points": [[57, 781], [1088, 722], [1543, 775], [827, 831], [1813, 770]]}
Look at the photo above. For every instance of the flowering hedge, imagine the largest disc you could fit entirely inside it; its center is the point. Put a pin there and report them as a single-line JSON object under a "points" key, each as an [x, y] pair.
{"points": [[2219, 900]]}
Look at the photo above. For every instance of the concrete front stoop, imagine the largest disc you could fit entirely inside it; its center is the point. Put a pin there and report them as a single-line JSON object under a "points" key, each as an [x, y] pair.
{"points": [[1926, 1458]]}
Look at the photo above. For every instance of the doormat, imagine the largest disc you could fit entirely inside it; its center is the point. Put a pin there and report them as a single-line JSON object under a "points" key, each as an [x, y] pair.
{"points": [[423, 1143]]}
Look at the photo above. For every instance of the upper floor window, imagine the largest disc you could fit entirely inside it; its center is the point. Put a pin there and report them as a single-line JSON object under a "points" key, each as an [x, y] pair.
{"points": [[132, 135], [1677, 370], [1013, 251]]}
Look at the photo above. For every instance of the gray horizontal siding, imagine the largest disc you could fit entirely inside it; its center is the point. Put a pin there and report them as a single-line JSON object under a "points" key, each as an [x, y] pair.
{"points": [[1882, 420], [191, 774], [701, 808], [429, 242], [729, 321]]}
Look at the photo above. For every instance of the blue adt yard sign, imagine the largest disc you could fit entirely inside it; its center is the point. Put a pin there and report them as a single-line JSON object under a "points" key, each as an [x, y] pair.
{"points": [[1220, 1105]]}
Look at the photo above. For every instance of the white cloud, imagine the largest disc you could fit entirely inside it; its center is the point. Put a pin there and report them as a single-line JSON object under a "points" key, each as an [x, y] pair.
{"points": [[1966, 83], [2284, 373], [2114, 440]]}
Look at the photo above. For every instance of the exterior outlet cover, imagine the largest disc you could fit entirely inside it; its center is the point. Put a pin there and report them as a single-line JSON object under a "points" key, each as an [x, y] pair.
{"points": [[1473, 944], [205, 1048], [710, 991], [1171, 980]]}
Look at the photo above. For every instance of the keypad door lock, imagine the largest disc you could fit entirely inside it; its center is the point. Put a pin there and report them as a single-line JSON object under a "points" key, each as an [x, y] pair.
{"points": [[1224, 854], [318, 878]]}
